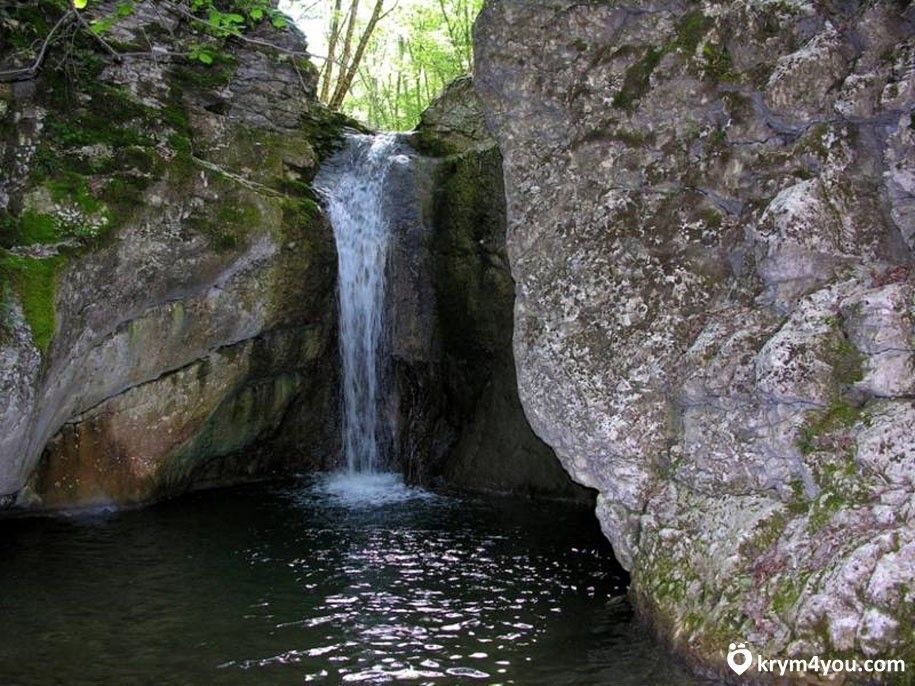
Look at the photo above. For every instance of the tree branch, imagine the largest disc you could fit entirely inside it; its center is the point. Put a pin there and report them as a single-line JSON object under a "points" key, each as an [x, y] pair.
{"points": [[101, 41], [29, 72]]}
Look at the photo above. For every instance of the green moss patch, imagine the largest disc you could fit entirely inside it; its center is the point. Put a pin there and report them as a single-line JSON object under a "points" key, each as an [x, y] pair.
{"points": [[846, 361], [690, 31], [206, 77], [324, 129], [6, 309], [718, 63], [766, 534], [300, 212], [693, 27], [788, 592], [637, 80], [838, 416], [35, 228], [34, 283], [227, 225]]}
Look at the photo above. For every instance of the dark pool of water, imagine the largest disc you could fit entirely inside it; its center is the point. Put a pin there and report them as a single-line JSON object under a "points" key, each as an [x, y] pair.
{"points": [[318, 581]]}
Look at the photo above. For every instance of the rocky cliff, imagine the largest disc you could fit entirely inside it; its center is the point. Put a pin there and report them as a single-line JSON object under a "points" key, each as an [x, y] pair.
{"points": [[495, 448], [711, 217], [167, 281], [457, 418]]}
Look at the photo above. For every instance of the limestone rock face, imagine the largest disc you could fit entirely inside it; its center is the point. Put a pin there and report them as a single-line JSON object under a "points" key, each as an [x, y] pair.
{"points": [[710, 221], [496, 449], [167, 279], [459, 419], [454, 122]]}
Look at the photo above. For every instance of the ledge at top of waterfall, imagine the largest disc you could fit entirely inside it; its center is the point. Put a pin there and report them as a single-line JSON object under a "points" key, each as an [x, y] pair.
{"points": [[353, 185]]}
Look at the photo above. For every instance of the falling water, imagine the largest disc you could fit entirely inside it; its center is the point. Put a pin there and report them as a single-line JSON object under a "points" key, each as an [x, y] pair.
{"points": [[353, 185]]}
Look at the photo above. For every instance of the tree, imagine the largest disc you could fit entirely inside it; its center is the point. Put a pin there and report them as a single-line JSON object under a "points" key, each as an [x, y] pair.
{"points": [[349, 70], [348, 37], [410, 59], [327, 72]]}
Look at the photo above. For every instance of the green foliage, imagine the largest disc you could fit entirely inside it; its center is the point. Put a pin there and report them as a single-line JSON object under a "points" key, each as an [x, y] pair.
{"points": [[411, 57], [106, 23], [231, 18], [216, 19], [202, 53]]}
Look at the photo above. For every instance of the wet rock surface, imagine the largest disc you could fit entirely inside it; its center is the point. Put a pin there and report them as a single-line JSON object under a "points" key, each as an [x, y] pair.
{"points": [[460, 422], [168, 280], [710, 230]]}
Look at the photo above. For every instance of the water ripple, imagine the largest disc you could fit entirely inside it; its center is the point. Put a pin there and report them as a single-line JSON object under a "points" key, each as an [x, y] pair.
{"points": [[321, 581]]}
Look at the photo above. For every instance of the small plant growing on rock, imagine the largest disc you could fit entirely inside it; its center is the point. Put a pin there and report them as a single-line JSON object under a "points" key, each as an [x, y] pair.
{"points": [[215, 21]]}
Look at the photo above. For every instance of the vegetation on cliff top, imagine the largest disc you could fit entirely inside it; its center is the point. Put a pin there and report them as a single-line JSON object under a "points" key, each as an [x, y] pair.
{"points": [[99, 148]]}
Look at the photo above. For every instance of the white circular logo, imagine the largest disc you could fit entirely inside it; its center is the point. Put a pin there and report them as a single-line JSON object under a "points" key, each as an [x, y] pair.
{"points": [[739, 658]]}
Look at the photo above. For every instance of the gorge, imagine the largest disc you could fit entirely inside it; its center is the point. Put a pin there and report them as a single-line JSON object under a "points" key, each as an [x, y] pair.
{"points": [[652, 261]]}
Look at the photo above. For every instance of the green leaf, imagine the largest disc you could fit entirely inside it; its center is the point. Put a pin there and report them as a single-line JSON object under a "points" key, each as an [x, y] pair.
{"points": [[125, 9], [100, 26], [80, 4], [279, 22], [205, 57], [257, 14]]}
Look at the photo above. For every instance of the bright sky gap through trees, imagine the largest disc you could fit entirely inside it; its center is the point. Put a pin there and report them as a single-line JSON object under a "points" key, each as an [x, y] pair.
{"points": [[383, 61]]}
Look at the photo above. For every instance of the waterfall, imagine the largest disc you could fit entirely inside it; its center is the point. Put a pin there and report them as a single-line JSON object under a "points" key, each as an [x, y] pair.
{"points": [[352, 184]]}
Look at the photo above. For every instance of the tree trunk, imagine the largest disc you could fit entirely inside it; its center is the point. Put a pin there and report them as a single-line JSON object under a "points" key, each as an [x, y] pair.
{"points": [[346, 80], [347, 48], [327, 73], [456, 46]]}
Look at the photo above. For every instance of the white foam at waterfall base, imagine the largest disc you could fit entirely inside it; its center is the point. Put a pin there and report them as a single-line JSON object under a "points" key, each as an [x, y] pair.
{"points": [[367, 489]]}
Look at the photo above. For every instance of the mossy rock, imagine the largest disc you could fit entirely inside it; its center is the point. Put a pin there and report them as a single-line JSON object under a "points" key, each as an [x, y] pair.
{"points": [[34, 283]]}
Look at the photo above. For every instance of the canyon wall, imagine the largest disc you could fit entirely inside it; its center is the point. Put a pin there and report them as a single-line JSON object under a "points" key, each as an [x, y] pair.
{"points": [[711, 218], [168, 312], [460, 422]]}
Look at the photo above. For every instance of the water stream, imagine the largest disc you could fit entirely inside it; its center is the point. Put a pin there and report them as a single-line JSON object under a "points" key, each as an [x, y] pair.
{"points": [[353, 186]]}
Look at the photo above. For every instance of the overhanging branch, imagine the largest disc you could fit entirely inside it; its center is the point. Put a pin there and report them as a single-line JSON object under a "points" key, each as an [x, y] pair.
{"points": [[26, 73]]}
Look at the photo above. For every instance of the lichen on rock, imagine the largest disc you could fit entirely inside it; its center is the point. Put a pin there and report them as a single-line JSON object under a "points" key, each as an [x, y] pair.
{"points": [[709, 227], [164, 264]]}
